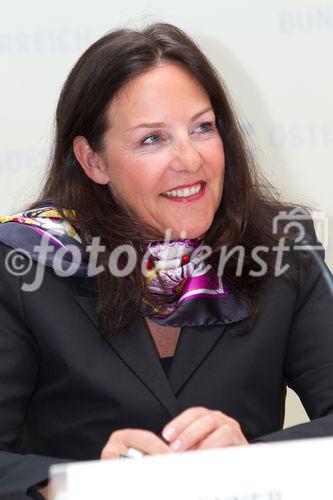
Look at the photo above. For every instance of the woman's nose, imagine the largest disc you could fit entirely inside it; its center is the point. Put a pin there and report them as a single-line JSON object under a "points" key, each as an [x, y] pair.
{"points": [[186, 157]]}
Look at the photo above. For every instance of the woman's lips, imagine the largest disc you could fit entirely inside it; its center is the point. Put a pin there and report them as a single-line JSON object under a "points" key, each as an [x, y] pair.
{"points": [[186, 199]]}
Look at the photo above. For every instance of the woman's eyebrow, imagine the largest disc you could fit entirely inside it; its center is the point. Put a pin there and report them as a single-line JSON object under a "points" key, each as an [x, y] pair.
{"points": [[162, 124]]}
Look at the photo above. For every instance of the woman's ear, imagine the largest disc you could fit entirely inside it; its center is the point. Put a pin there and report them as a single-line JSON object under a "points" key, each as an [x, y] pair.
{"points": [[90, 161]]}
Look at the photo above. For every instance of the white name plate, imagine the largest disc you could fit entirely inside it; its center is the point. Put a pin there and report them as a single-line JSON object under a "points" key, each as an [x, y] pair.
{"points": [[293, 470]]}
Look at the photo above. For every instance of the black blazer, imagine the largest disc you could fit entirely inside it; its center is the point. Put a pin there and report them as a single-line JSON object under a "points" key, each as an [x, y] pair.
{"points": [[64, 388]]}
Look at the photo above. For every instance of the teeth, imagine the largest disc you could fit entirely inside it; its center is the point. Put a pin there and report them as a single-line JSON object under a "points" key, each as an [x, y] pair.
{"points": [[183, 193]]}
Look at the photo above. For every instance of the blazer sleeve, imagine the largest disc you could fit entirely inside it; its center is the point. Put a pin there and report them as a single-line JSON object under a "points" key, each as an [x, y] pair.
{"points": [[19, 362], [308, 367]]}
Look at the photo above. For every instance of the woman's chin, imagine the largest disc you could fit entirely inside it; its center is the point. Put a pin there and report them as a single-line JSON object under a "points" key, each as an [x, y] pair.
{"points": [[188, 233]]}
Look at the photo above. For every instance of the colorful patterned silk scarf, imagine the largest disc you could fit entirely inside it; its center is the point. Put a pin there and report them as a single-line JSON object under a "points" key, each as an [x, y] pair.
{"points": [[185, 291]]}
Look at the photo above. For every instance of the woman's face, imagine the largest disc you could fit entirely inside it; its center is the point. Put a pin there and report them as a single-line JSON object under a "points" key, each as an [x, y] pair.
{"points": [[162, 153]]}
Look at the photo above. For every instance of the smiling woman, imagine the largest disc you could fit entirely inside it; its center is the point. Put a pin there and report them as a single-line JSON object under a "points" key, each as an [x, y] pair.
{"points": [[169, 170], [149, 154], [131, 337]]}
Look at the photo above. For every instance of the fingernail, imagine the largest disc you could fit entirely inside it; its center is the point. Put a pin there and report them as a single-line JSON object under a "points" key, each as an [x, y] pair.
{"points": [[169, 433], [176, 445]]}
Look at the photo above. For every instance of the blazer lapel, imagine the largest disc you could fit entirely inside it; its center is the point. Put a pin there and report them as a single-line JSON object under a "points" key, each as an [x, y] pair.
{"points": [[136, 348], [195, 343]]}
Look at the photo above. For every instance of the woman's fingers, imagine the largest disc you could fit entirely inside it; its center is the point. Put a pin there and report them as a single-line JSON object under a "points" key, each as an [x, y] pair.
{"points": [[196, 430], [183, 421], [199, 425], [172, 430], [224, 436], [145, 441]]}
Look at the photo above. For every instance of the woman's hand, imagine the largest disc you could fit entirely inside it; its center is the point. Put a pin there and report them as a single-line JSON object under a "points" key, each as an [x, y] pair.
{"points": [[194, 429], [200, 428], [145, 441]]}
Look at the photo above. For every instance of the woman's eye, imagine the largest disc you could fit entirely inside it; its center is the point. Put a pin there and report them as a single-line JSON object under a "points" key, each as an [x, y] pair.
{"points": [[205, 127], [151, 139]]}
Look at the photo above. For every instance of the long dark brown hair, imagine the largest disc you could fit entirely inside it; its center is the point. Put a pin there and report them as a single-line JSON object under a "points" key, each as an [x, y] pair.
{"points": [[244, 216]]}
